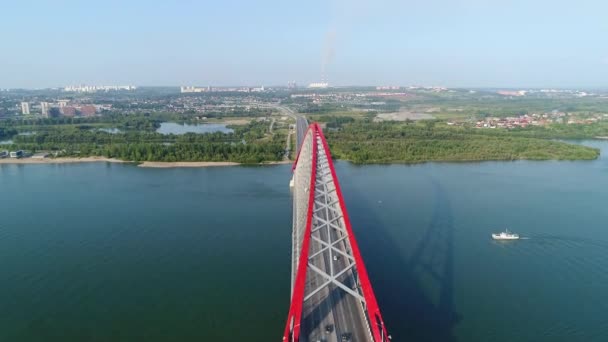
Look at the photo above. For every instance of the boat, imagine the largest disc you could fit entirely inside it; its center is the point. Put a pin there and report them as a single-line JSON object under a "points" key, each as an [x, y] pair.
{"points": [[506, 235]]}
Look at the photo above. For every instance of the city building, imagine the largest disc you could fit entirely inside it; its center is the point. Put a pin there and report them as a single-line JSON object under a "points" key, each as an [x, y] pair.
{"points": [[63, 103], [318, 85], [25, 108], [44, 109], [87, 110], [512, 92], [194, 89], [16, 154], [68, 111], [93, 89]]}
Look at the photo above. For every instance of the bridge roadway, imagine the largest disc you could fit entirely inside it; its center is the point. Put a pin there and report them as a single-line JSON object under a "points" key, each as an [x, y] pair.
{"points": [[301, 128], [333, 301], [330, 253]]}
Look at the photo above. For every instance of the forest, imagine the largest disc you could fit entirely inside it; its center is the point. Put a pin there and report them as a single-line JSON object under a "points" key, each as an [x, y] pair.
{"points": [[6, 133], [390, 142], [358, 140], [247, 144]]}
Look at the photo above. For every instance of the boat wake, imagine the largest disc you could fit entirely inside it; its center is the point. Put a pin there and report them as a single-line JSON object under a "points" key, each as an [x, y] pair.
{"points": [[570, 240], [564, 259]]}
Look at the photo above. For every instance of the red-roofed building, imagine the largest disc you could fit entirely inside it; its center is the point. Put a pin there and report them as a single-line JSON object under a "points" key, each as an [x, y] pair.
{"points": [[87, 110], [68, 111]]}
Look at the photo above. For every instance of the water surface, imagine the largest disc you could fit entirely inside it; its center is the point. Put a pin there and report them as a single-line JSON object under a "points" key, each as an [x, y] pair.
{"points": [[176, 128], [108, 252]]}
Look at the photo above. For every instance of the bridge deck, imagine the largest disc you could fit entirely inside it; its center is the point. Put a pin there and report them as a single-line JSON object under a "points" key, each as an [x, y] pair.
{"points": [[332, 299]]}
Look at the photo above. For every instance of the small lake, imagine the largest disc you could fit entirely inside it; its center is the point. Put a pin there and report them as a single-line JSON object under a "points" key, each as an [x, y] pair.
{"points": [[111, 130], [176, 128]]}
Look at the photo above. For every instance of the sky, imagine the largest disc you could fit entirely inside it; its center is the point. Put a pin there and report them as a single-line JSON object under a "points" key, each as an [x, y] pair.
{"points": [[453, 43]]}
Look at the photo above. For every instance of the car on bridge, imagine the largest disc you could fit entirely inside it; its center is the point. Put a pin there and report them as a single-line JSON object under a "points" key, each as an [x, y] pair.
{"points": [[346, 337]]}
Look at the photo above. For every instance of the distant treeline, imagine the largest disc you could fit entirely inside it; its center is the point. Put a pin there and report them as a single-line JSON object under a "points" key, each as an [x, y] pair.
{"points": [[6, 133], [325, 108], [553, 131], [335, 121], [248, 144], [139, 121], [368, 142]]}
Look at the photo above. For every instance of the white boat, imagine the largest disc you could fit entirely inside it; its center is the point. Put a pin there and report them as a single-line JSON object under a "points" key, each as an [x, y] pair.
{"points": [[506, 235]]}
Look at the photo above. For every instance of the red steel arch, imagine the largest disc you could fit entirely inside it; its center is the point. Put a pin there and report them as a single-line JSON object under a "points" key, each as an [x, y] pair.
{"points": [[372, 311]]}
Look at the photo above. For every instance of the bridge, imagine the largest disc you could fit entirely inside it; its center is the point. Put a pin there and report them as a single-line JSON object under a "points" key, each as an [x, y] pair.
{"points": [[331, 295]]}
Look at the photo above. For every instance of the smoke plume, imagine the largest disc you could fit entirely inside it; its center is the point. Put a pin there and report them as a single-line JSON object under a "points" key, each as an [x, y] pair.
{"points": [[329, 51]]}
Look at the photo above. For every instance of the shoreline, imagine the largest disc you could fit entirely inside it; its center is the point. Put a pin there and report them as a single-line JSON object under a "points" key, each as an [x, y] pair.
{"points": [[146, 164], [60, 160], [166, 165], [200, 164]]}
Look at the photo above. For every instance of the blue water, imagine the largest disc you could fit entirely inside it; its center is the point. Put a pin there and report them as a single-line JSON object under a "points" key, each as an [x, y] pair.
{"points": [[175, 128], [109, 252]]}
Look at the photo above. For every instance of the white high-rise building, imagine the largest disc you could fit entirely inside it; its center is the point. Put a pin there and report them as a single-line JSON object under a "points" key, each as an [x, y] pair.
{"points": [[44, 109], [92, 89], [188, 89], [319, 85], [25, 108]]}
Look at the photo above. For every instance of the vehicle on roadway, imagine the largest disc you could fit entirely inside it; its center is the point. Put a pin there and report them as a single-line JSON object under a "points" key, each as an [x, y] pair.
{"points": [[346, 337], [329, 328]]}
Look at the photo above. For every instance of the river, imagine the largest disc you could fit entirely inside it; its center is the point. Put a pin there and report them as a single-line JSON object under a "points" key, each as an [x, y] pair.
{"points": [[112, 252]]}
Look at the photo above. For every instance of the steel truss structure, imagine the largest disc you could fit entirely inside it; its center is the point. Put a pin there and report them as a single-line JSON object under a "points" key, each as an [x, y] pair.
{"points": [[332, 297]]}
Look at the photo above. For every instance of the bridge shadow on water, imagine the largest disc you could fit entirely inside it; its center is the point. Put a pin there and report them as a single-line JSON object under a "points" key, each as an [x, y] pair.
{"points": [[411, 312]]}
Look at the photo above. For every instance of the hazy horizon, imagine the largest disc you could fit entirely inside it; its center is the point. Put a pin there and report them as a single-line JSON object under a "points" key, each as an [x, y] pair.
{"points": [[462, 44], [305, 86]]}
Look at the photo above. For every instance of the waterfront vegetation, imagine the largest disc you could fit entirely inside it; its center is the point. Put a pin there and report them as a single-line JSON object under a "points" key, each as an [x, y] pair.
{"points": [[357, 139], [389, 142], [139, 142], [6, 133], [332, 121]]}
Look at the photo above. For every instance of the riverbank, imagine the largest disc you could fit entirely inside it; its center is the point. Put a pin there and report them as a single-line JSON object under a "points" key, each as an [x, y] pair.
{"points": [[59, 160], [148, 164], [202, 164]]}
